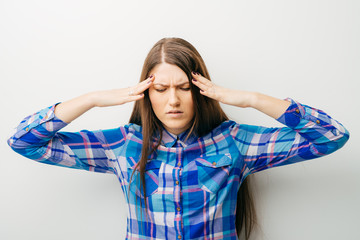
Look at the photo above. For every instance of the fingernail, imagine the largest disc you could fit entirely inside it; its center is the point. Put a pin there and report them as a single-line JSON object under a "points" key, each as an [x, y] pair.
{"points": [[194, 80], [193, 72], [202, 90], [149, 81], [151, 76], [141, 94], [197, 73]]}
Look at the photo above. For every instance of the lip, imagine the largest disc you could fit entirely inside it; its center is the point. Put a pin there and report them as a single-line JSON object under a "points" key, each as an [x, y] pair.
{"points": [[174, 112]]}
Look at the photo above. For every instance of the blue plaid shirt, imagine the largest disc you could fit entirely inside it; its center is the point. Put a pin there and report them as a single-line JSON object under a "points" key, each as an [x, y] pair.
{"points": [[192, 184]]}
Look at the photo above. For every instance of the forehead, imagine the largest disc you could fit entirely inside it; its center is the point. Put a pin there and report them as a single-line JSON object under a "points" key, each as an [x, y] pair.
{"points": [[168, 74]]}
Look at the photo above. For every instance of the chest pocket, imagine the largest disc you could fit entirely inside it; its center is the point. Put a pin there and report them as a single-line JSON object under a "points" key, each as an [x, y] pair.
{"points": [[213, 171], [151, 179]]}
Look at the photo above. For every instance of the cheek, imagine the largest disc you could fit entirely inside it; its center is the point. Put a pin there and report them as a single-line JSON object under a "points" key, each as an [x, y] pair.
{"points": [[190, 105], [155, 101]]}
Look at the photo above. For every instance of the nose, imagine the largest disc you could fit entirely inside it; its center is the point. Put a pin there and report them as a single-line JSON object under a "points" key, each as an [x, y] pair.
{"points": [[174, 99]]}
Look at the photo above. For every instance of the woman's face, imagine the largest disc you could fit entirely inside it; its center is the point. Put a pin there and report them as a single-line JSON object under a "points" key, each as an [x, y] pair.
{"points": [[170, 97]]}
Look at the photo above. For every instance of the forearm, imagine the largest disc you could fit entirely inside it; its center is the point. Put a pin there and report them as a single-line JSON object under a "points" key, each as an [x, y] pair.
{"points": [[70, 110], [271, 106], [38, 137]]}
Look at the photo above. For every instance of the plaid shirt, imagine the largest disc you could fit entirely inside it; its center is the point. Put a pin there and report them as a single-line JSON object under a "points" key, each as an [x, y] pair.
{"points": [[192, 185]]}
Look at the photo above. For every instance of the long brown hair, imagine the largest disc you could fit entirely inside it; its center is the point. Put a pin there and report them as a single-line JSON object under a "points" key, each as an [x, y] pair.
{"points": [[208, 115]]}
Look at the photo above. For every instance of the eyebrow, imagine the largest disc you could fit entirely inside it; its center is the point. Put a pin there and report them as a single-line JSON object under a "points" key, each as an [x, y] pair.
{"points": [[166, 85]]}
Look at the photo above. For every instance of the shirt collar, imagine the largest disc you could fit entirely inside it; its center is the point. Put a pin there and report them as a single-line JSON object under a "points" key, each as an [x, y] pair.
{"points": [[169, 139]]}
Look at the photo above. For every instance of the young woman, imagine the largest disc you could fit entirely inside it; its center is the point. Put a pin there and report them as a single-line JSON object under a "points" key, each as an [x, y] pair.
{"points": [[180, 160]]}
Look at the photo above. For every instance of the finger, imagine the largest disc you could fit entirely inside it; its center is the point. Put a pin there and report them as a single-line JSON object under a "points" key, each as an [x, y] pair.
{"points": [[201, 79], [142, 86], [199, 84], [203, 84], [207, 88], [136, 97]]}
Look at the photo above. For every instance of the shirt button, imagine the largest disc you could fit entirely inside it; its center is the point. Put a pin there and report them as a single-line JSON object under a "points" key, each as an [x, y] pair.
{"points": [[179, 237], [27, 129], [177, 182], [297, 110], [178, 209], [214, 163], [318, 121], [179, 164], [337, 132]]}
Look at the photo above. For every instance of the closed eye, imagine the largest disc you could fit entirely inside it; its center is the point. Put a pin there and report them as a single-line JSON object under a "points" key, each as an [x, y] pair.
{"points": [[160, 89], [164, 89], [185, 89]]}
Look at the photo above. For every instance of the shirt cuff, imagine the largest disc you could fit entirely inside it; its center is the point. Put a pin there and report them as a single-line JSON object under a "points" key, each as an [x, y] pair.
{"points": [[300, 114], [45, 117]]}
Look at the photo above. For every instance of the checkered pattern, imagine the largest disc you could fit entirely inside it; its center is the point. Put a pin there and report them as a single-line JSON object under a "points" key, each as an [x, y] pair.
{"points": [[192, 184]]}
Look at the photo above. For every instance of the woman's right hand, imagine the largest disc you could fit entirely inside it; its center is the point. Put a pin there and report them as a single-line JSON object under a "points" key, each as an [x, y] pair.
{"points": [[115, 97], [69, 110]]}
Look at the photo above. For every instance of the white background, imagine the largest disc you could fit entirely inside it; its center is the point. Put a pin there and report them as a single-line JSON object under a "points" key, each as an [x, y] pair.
{"points": [[51, 51]]}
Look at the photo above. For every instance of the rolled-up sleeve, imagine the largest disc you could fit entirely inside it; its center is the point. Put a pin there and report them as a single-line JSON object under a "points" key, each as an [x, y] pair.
{"points": [[309, 133], [37, 138]]}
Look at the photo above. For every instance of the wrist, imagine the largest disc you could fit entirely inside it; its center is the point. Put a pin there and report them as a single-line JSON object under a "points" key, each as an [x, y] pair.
{"points": [[91, 99], [253, 98], [71, 109]]}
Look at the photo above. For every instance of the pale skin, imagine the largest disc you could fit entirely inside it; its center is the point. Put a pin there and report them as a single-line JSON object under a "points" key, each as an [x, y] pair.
{"points": [[70, 110], [74, 108], [271, 106]]}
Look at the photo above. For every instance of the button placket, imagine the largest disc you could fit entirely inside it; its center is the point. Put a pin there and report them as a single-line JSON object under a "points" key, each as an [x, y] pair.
{"points": [[177, 190]]}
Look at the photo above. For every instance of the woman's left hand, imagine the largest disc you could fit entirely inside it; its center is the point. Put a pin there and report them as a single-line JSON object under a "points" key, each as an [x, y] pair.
{"points": [[224, 95]]}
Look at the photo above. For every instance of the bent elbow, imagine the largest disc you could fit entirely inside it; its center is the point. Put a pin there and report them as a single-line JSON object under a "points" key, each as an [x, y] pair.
{"points": [[344, 137], [16, 146], [12, 143], [23, 148], [341, 136]]}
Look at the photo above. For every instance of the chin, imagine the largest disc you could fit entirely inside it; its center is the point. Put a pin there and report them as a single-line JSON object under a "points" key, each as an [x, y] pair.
{"points": [[176, 129]]}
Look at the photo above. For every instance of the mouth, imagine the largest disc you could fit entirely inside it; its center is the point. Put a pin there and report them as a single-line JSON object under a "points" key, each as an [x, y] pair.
{"points": [[174, 112]]}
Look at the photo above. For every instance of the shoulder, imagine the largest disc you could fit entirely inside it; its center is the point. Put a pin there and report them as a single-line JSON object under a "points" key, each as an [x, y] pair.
{"points": [[132, 128], [227, 125], [121, 132], [222, 129], [233, 129]]}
